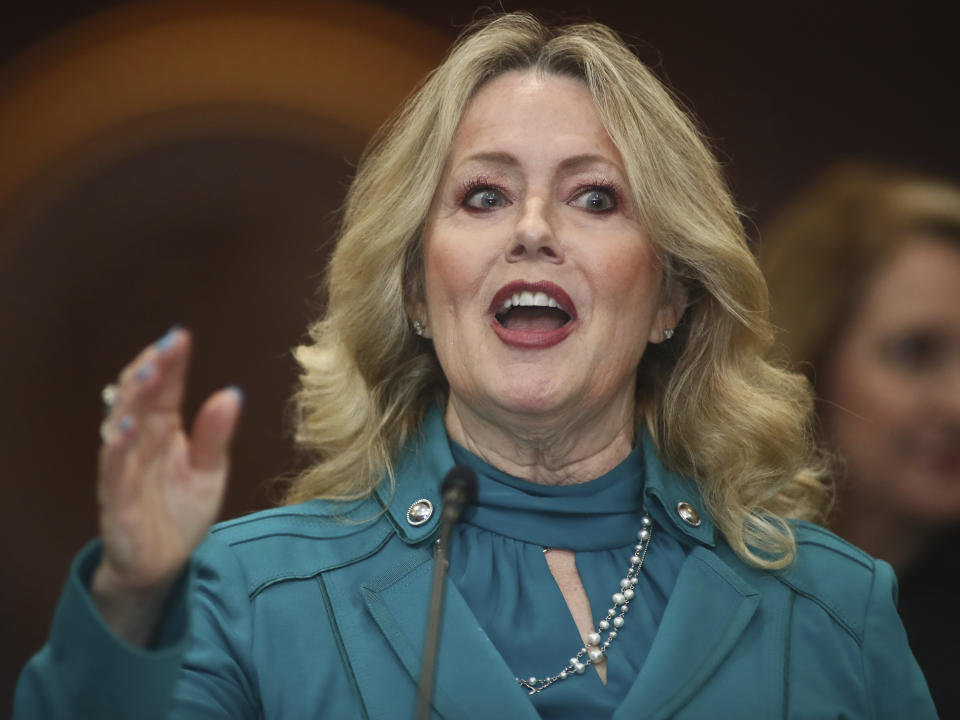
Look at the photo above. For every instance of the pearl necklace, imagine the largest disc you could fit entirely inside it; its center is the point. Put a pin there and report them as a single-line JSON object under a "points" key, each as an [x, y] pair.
{"points": [[597, 645]]}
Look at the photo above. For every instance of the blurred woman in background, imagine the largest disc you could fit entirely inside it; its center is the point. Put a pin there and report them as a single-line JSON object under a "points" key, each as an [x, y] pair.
{"points": [[864, 274]]}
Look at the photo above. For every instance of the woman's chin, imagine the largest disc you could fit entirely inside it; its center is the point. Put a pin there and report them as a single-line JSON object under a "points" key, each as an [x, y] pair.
{"points": [[565, 408], [521, 399], [535, 393]]}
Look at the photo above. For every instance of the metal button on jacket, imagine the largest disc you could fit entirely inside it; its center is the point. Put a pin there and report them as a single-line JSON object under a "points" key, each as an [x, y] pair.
{"points": [[419, 512], [688, 513]]}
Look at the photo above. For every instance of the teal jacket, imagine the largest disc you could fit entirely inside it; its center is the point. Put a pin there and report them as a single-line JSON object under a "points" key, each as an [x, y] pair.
{"points": [[318, 611]]}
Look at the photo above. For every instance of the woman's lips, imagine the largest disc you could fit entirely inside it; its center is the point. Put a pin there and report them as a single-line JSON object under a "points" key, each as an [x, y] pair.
{"points": [[532, 334]]}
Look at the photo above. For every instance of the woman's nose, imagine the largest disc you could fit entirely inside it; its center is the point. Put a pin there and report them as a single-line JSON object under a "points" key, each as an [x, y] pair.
{"points": [[534, 236]]}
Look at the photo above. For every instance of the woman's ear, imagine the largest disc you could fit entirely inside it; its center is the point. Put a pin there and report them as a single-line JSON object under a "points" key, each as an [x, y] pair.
{"points": [[417, 314], [414, 291], [670, 312]]}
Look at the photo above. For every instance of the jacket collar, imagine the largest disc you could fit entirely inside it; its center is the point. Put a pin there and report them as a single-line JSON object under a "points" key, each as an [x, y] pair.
{"points": [[423, 464], [666, 490], [427, 459]]}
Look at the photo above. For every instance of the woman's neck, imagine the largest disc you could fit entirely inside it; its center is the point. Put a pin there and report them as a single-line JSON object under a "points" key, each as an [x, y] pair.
{"points": [[551, 449]]}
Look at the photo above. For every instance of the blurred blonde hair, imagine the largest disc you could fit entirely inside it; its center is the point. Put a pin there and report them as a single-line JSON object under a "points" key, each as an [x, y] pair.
{"points": [[717, 410], [822, 249]]}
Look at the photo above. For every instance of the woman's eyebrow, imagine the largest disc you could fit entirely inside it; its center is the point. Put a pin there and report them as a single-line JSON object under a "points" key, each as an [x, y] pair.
{"points": [[579, 162], [572, 163], [493, 157]]}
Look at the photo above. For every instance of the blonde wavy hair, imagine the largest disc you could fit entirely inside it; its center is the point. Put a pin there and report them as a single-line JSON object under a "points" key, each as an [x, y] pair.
{"points": [[717, 410]]}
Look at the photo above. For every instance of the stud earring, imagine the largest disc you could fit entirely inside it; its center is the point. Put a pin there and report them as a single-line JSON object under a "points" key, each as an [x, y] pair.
{"points": [[667, 333], [418, 328]]}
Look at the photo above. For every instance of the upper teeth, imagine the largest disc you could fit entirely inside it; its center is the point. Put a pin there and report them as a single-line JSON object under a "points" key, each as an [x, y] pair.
{"points": [[530, 299]]}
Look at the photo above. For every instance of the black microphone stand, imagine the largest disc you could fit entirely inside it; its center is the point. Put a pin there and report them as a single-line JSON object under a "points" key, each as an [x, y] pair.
{"points": [[459, 489]]}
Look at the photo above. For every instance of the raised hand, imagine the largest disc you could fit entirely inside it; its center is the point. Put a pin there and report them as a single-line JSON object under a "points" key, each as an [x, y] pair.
{"points": [[158, 489]]}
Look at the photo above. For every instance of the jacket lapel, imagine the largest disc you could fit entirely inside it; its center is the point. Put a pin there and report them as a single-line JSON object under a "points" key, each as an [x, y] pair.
{"points": [[472, 679], [708, 611]]}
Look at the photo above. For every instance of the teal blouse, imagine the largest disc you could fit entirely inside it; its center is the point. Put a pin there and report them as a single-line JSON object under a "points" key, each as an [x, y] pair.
{"points": [[497, 563]]}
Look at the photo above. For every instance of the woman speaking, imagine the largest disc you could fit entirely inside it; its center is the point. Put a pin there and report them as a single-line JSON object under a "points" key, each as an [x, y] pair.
{"points": [[540, 276]]}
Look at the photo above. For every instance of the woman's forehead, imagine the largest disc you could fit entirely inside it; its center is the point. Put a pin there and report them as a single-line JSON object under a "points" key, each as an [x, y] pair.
{"points": [[521, 114]]}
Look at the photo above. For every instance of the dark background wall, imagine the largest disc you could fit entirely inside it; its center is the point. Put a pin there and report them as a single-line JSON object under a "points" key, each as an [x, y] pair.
{"points": [[218, 218], [782, 88]]}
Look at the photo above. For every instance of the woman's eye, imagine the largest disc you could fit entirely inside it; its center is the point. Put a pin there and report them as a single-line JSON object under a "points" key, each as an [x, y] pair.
{"points": [[915, 352], [595, 199], [485, 199]]}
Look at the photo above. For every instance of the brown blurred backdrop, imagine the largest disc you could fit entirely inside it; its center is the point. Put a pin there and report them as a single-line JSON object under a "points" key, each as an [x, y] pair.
{"points": [[182, 162]]}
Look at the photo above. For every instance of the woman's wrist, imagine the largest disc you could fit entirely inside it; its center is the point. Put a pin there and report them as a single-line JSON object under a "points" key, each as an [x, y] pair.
{"points": [[131, 612]]}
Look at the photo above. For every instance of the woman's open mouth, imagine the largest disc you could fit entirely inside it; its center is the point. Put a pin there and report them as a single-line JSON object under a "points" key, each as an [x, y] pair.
{"points": [[532, 315], [536, 312]]}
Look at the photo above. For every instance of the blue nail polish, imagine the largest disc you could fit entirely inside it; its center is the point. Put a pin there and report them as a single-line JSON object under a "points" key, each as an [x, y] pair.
{"points": [[167, 340], [143, 372], [126, 424], [238, 392]]}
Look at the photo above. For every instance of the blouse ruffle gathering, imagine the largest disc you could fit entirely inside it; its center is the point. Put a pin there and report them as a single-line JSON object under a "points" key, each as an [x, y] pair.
{"points": [[497, 563]]}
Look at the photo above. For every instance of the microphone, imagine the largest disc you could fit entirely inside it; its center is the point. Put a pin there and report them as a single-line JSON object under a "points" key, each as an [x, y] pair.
{"points": [[458, 490]]}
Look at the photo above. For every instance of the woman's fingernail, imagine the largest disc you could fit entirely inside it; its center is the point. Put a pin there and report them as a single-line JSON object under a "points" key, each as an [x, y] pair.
{"points": [[167, 340], [126, 425], [143, 372], [238, 392]]}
